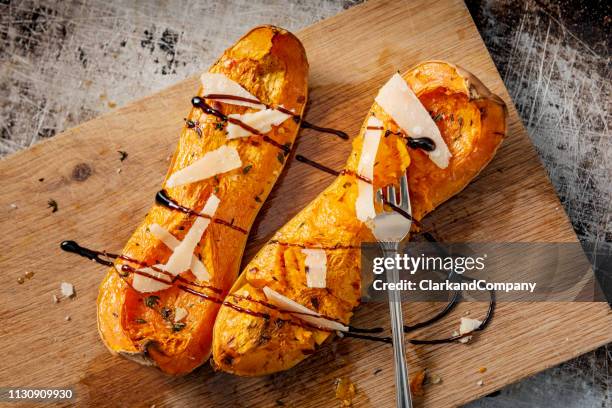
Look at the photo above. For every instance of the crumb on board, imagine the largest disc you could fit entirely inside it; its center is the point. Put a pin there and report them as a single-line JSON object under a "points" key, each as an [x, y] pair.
{"points": [[435, 379], [466, 326], [67, 289], [29, 275], [55, 298], [480, 383], [482, 370], [67, 318], [20, 280]]}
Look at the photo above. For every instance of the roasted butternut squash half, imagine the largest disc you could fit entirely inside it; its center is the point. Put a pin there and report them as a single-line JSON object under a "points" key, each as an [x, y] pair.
{"points": [[470, 120], [244, 120]]}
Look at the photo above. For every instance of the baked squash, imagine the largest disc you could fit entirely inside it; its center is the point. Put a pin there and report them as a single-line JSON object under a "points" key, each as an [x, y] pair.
{"points": [[472, 123], [168, 327]]}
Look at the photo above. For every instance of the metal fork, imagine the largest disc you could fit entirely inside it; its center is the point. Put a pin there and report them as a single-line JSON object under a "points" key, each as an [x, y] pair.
{"points": [[390, 228]]}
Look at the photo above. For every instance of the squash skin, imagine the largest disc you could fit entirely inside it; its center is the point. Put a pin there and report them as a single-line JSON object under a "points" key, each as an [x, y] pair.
{"points": [[271, 64], [250, 346]]}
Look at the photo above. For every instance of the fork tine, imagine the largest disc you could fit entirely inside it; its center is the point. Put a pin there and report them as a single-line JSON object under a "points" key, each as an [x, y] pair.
{"points": [[404, 194], [391, 197], [378, 198]]}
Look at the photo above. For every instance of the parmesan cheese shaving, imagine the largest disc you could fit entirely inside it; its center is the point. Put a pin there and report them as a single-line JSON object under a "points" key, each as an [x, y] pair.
{"points": [[468, 325], [218, 161], [145, 284], [302, 312], [400, 102], [262, 121], [220, 84], [364, 205], [316, 267], [180, 260], [179, 314], [197, 267]]}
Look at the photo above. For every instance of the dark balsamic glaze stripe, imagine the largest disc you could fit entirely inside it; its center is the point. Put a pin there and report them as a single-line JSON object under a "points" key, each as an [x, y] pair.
{"points": [[162, 198], [447, 309], [423, 143], [306, 246], [329, 170], [333, 172], [98, 256], [339, 133], [297, 118]]}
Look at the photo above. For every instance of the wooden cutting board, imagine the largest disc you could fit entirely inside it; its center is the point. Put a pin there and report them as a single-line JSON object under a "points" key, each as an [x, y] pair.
{"points": [[351, 56]]}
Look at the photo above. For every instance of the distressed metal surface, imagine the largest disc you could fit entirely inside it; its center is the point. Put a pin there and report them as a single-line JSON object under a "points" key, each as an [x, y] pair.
{"points": [[64, 62]]}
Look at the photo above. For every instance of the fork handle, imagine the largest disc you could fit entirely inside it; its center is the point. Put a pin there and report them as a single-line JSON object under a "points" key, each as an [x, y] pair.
{"points": [[403, 398]]}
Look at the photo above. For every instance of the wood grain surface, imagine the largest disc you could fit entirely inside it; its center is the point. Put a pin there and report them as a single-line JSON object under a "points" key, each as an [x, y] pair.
{"points": [[351, 56]]}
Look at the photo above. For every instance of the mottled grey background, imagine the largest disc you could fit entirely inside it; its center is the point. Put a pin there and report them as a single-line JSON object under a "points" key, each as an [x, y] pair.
{"points": [[64, 62]]}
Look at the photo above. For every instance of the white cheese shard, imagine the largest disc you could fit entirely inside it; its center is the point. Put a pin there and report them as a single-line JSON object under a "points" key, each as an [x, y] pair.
{"points": [[144, 284], [197, 267], [180, 260], [217, 161], [400, 102], [364, 205], [179, 314], [468, 325], [302, 312], [262, 121], [67, 289], [221, 85], [316, 267]]}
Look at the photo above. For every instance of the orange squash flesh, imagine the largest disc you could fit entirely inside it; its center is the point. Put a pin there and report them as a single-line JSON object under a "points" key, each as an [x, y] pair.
{"points": [[472, 122], [271, 64]]}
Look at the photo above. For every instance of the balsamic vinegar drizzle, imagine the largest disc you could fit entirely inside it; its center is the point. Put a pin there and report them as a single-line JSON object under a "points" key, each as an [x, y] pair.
{"points": [[199, 103], [423, 143], [339, 133], [162, 198], [333, 172], [98, 257]]}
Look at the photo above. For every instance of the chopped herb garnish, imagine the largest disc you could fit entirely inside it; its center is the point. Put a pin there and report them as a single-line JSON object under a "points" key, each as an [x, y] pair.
{"points": [[141, 321], [151, 301], [437, 117], [460, 120], [51, 203], [178, 326], [216, 189], [122, 155], [216, 178], [247, 168], [258, 199], [219, 125], [281, 158], [166, 312], [452, 117], [346, 185]]}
